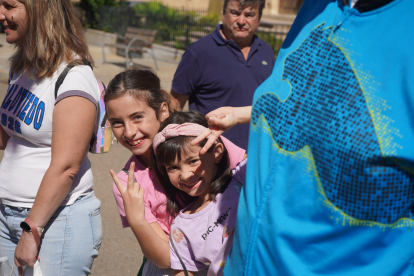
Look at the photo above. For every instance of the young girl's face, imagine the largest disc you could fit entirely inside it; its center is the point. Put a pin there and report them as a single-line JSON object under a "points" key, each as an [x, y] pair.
{"points": [[134, 123], [194, 173]]}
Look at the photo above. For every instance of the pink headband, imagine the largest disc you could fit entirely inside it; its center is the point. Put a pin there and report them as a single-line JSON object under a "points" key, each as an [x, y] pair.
{"points": [[174, 130]]}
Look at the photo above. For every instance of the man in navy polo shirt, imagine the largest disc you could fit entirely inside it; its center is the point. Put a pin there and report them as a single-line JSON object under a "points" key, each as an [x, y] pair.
{"points": [[225, 67]]}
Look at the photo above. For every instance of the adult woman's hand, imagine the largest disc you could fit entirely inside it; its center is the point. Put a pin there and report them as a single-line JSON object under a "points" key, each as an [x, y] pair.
{"points": [[26, 250], [221, 120], [132, 195]]}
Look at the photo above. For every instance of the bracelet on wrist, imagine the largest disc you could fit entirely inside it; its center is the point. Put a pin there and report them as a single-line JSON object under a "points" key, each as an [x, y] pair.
{"points": [[29, 226], [26, 227]]}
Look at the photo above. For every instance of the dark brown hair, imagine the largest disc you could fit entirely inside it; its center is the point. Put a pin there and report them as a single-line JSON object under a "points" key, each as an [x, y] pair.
{"points": [[54, 35], [143, 85], [245, 3], [172, 149]]}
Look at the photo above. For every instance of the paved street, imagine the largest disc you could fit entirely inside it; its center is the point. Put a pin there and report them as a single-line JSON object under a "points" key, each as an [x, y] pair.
{"points": [[120, 253]]}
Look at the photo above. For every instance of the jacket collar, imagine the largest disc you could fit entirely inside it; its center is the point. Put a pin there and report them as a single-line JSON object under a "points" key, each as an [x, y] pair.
{"points": [[368, 5]]}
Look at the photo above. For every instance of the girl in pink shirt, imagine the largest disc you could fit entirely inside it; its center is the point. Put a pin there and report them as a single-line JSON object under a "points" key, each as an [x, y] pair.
{"points": [[136, 106]]}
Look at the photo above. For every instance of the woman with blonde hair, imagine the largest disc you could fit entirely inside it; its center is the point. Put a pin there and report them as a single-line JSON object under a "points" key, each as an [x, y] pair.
{"points": [[48, 209]]}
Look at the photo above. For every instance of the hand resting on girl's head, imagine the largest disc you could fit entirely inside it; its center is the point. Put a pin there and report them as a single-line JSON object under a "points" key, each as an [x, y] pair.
{"points": [[221, 120]]}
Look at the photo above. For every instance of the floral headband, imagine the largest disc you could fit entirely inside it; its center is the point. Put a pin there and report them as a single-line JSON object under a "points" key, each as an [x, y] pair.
{"points": [[174, 130]]}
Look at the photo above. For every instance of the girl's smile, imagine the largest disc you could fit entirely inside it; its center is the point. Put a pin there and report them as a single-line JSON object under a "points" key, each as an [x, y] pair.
{"points": [[136, 143], [192, 185], [194, 173]]}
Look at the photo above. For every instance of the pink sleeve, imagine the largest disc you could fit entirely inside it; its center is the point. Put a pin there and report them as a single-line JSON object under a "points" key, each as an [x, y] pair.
{"points": [[149, 216], [236, 154]]}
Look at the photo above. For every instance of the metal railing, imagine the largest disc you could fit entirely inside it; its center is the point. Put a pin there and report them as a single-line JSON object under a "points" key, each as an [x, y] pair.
{"points": [[177, 29]]}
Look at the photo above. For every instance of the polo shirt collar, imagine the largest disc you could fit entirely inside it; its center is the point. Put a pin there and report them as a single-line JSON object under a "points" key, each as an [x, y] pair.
{"points": [[218, 37], [222, 41]]}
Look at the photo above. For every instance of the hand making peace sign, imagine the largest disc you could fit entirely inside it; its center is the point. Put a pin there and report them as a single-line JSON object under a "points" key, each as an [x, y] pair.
{"points": [[132, 195]]}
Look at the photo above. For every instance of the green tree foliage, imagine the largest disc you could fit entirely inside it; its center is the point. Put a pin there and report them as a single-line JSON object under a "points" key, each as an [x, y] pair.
{"points": [[91, 10], [173, 24]]}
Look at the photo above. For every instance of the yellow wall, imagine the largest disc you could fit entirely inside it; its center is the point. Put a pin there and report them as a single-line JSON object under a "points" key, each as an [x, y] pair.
{"points": [[216, 6], [186, 4], [272, 7]]}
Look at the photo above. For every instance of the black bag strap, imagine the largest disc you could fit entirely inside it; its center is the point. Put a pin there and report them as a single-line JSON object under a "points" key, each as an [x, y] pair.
{"points": [[64, 73], [178, 255], [10, 78]]}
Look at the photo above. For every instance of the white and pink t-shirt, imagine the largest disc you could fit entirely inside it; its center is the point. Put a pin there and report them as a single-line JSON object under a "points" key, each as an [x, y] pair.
{"points": [[203, 239], [155, 199]]}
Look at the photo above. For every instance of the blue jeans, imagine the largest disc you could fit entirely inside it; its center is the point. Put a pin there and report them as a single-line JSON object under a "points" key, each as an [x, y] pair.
{"points": [[71, 239]]}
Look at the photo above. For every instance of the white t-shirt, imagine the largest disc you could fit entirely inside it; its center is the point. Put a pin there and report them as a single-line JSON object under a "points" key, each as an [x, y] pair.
{"points": [[26, 115]]}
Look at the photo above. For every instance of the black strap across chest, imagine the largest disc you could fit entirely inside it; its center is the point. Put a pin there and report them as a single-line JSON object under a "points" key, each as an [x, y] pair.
{"points": [[64, 73]]}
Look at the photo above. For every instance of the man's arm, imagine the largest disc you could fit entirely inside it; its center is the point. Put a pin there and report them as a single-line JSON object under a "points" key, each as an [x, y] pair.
{"points": [[177, 101]]}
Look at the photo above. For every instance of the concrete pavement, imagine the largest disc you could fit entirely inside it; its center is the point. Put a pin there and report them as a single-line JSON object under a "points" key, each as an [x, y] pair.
{"points": [[120, 253]]}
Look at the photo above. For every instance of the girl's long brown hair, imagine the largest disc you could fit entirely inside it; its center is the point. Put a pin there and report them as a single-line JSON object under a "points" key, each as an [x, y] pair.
{"points": [[54, 35]]}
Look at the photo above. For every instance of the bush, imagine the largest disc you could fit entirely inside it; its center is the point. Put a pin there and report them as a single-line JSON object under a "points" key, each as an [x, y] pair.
{"points": [[91, 10], [173, 24]]}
